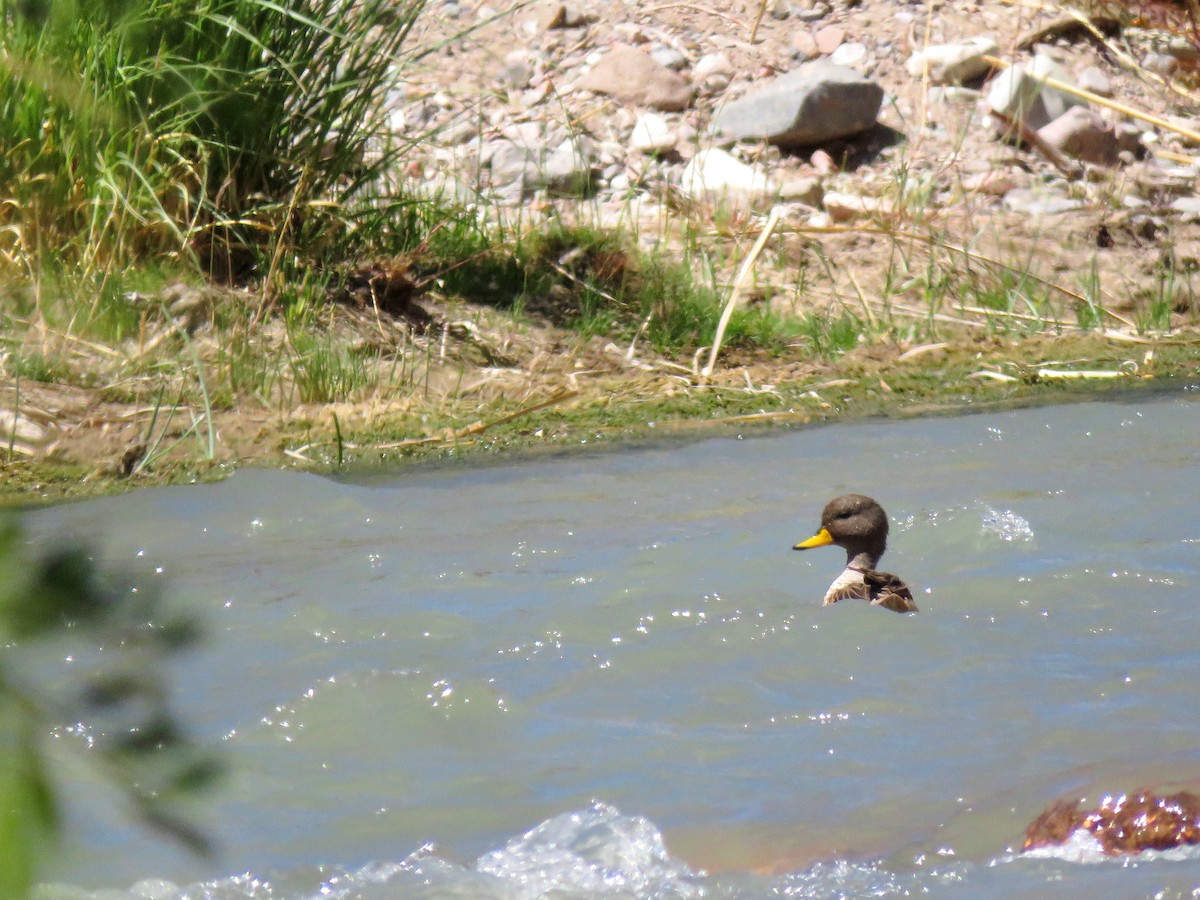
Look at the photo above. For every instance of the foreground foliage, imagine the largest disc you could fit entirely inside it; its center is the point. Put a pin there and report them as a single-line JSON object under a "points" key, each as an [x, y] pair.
{"points": [[112, 702]]}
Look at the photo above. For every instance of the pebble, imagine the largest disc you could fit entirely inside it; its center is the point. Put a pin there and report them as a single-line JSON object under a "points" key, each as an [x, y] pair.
{"points": [[814, 13], [1036, 202], [849, 54], [954, 63], [823, 162], [804, 45], [511, 162], [1183, 50], [516, 72], [1082, 134], [1187, 207], [846, 207], [630, 33], [556, 14], [996, 182], [569, 170], [631, 76], [669, 58], [828, 39], [714, 71], [1160, 64], [806, 189], [1020, 94]]}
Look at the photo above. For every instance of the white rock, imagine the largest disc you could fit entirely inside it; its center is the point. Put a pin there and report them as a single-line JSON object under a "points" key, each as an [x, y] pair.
{"points": [[718, 177], [714, 71], [669, 57], [1093, 79], [1188, 207], [630, 33], [1160, 64], [512, 163], [1040, 201], [611, 152], [849, 54], [652, 133], [806, 189], [954, 63], [1019, 93], [570, 168]]}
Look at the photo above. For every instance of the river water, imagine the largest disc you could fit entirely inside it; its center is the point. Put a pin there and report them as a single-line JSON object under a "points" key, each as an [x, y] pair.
{"points": [[609, 675]]}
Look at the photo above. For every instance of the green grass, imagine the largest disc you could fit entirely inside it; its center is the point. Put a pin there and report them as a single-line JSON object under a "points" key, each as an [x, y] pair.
{"points": [[212, 134], [324, 371], [828, 336]]}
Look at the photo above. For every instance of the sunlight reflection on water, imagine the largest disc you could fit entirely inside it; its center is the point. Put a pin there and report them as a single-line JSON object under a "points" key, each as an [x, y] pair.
{"points": [[457, 656]]}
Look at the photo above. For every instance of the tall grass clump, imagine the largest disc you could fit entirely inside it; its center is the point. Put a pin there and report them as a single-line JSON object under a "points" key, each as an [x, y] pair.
{"points": [[221, 135]]}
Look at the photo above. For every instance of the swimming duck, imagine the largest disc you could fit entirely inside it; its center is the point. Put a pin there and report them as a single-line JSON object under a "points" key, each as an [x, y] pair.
{"points": [[860, 526]]}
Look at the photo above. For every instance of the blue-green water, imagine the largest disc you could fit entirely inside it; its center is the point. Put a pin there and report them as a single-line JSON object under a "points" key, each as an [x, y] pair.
{"points": [[622, 656]]}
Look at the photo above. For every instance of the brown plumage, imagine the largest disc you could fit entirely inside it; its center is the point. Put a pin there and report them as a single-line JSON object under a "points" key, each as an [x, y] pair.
{"points": [[859, 525]]}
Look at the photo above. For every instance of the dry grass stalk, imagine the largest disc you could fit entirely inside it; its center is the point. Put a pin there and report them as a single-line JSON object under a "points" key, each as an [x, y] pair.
{"points": [[1069, 168], [762, 8], [923, 315], [921, 350], [735, 292], [927, 240], [1128, 369]]}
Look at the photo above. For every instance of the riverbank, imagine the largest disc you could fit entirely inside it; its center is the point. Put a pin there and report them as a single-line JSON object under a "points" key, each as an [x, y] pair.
{"points": [[595, 395], [508, 297]]}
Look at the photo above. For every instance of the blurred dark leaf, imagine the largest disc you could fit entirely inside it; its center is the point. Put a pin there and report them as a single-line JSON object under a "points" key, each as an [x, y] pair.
{"points": [[177, 828], [196, 776], [158, 734], [114, 688], [178, 633], [64, 591]]}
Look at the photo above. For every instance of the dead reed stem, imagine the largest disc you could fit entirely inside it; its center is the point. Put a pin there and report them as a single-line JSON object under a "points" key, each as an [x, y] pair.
{"points": [[735, 292]]}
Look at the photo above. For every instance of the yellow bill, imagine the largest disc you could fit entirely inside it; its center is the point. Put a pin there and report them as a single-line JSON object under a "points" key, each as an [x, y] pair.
{"points": [[820, 539]]}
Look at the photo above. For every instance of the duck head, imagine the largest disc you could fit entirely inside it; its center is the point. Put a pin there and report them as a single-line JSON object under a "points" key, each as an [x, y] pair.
{"points": [[855, 523]]}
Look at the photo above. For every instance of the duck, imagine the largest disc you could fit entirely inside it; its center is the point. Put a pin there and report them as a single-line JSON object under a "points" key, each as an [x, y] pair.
{"points": [[858, 525]]}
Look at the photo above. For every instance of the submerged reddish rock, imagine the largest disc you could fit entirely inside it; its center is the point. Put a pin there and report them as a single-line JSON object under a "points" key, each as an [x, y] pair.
{"points": [[1128, 823]]}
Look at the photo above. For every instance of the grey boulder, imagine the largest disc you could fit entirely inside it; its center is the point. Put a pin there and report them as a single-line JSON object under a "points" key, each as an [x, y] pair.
{"points": [[818, 102]]}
